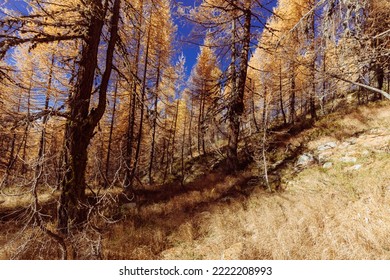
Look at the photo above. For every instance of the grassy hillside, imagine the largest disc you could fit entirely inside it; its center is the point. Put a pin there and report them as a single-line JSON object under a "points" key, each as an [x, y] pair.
{"points": [[333, 212], [337, 212], [334, 206]]}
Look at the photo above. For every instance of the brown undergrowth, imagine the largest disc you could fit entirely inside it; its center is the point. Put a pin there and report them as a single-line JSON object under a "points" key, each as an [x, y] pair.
{"points": [[337, 213], [340, 212]]}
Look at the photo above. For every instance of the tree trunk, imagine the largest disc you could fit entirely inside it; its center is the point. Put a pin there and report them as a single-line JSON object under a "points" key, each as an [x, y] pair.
{"points": [[236, 107], [154, 128], [190, 128], [264, 141], [72, 211], [42, 141], [132, 112], [380, 77], [201, 143], [27, 129], [203, 128], [129, 184], [281, 94], [167, 145], [183, 143], [252, 87], [265, 106], [174, 136], [313, 113], [106, 174], [292, 95], [324, 83], [165, 154], [200, 123]]}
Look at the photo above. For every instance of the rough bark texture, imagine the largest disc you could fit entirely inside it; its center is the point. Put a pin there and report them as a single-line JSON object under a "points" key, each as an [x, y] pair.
{"points": [[236, 107], [72, 212]]}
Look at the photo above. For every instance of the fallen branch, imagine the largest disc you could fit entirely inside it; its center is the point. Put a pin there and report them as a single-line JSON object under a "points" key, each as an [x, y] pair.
{"points": [[370, 88]]}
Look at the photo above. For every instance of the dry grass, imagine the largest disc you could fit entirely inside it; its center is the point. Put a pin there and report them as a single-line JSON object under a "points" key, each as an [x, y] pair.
{"points": [[159, 226], [12, 198], [320, 216], [335, 213]]}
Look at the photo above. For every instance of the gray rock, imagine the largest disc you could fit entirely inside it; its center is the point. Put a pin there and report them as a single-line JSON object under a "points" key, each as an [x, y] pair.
{"points": [[327, 165], [327, 146], [356, 167], [348, 159], [323, 157], [305, 160]]}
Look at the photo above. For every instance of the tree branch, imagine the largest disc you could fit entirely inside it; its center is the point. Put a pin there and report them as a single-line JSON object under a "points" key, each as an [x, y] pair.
{"points": [[370, 88]]}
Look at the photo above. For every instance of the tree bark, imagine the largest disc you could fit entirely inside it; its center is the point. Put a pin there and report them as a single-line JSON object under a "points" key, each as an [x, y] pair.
{"points": [[42, 141], [106, 174], [154, 128], [203, 128], [292, 95], [201, 149], [190, 129], [281, 94], [236, 107], [27, 129], [129, 184], [132, 112], [183, 143], [313, 113], [172, 160], [72, 211], [265, 106], [370, 88]]}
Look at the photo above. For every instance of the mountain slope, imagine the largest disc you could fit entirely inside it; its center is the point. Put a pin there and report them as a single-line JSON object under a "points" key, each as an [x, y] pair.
{"points": [[333, 207]]}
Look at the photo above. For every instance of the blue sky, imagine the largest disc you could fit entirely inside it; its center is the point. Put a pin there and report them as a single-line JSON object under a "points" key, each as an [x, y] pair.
{"points": [[189, 50], [19, 5]]}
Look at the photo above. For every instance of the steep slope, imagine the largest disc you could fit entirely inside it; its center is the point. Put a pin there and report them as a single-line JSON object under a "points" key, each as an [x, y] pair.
{"points": [[335, 206], [330, 200]]}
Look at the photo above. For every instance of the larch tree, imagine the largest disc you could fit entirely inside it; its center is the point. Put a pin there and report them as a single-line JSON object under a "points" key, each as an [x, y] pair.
{"points": [[204, 85], [162, 32], [81, 22], [232, 25], [137, 54], [83, 120]]}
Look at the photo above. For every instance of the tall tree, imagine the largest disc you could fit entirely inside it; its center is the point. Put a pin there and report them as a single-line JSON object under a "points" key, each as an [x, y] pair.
{"points": [[81, 24], [232, 24], [204, 85], [82, 121]]}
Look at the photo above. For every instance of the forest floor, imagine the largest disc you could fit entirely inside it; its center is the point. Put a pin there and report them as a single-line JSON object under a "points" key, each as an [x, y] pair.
{"points": [[333, 206], [330, 200]]}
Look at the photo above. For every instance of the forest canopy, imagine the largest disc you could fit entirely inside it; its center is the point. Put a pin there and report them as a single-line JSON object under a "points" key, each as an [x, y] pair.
{"points": [[95, 95]]}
